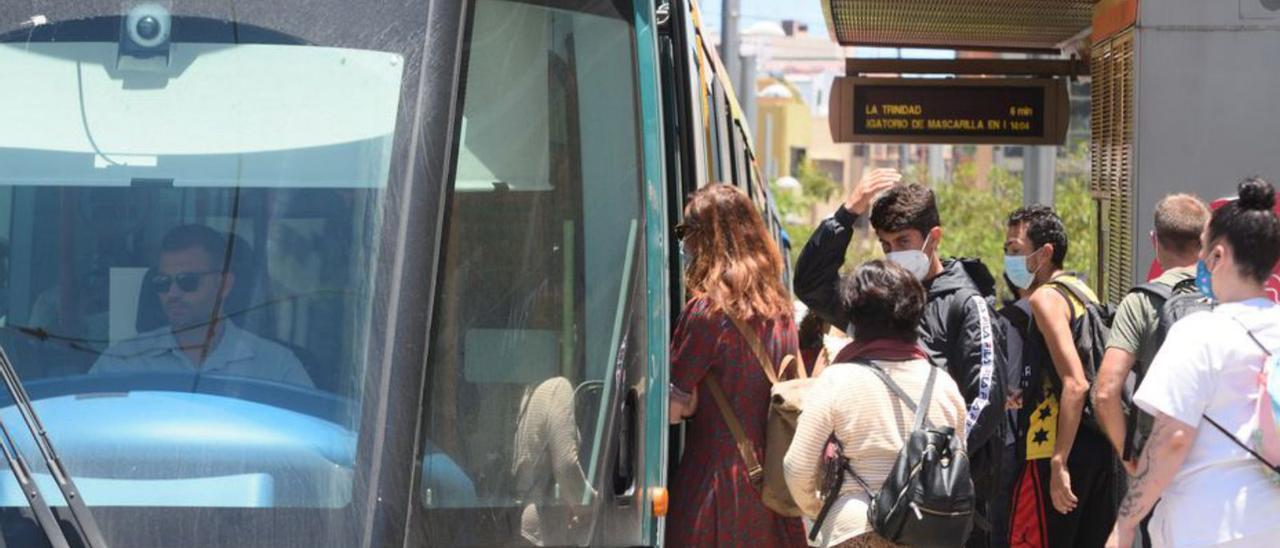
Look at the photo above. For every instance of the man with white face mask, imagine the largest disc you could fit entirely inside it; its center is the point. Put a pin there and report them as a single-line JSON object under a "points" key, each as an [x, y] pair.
{"points": [[959, 330]]}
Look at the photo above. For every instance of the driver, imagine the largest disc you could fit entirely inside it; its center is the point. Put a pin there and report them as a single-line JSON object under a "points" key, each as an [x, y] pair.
{"points": [[200, 337]]}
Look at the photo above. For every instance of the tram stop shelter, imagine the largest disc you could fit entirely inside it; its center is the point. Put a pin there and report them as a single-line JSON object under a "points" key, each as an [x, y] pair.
{"points": [[1178, 93]]}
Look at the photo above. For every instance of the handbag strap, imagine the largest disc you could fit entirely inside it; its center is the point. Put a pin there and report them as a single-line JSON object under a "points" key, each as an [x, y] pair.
{"points": [[746, 449]]}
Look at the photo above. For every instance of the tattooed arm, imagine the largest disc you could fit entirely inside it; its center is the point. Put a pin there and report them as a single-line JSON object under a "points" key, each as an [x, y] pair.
{"points": [[1161, 458]]}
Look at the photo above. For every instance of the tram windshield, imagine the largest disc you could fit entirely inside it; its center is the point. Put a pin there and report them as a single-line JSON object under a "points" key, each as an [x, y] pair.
{"points": [[194, 202]]}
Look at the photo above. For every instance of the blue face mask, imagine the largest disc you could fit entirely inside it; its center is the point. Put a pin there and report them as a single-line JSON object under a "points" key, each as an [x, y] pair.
{"points": [[1015, 267], [1204, 279]]}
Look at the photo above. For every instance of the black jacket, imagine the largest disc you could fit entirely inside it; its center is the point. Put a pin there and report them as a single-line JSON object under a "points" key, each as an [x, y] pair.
{"points": [[959, 330]]}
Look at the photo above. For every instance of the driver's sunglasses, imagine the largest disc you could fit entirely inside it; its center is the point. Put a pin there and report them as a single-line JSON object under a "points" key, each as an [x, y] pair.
{"points": [[187, 281], [681, 230]]}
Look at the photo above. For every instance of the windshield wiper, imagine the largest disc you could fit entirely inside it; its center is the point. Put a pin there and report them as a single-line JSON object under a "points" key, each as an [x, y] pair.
{"points": [[85, 524], [27, 483]]}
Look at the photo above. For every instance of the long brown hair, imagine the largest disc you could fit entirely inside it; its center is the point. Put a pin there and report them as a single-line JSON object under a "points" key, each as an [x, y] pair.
{"points": [[733, 262]]}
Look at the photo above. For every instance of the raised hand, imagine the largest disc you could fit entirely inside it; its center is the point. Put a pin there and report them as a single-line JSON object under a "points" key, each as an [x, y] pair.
{"points": [[873, 182]]}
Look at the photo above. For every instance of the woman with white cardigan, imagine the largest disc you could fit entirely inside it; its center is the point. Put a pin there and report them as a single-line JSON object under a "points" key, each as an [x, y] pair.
{"points": [[870, 422]]}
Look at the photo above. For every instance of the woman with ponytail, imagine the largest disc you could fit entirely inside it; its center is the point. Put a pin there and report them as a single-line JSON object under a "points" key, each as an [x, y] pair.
{"points": [[733, 275], [1201, 460]]}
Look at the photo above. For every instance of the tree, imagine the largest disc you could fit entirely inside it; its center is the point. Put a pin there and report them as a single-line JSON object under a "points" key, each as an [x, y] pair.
{"points": [[796, 205]]}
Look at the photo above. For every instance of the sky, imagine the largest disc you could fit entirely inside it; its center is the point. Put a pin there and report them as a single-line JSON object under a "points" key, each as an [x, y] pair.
{"points": [[754, 11], [805, 11]]}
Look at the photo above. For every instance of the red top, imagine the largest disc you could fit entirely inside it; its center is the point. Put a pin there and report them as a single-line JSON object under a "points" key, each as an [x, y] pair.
{"points": [[712, 500]]}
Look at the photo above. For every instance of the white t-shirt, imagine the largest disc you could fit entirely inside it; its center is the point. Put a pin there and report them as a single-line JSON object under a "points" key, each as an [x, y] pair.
{"points": [[1209, 366]]}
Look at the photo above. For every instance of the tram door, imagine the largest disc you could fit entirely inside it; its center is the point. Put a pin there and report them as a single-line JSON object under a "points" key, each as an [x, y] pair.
{"points": [[539, 341]]}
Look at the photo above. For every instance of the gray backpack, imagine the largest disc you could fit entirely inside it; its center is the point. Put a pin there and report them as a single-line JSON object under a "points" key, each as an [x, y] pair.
{"points": [[1173, 304]]}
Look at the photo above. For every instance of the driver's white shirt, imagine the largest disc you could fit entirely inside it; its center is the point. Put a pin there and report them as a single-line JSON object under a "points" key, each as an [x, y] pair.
{"points": [[237, 353]]}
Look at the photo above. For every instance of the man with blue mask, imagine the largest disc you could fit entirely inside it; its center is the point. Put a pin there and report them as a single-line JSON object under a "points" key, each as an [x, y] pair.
{"points": [[1065, 494], [959, 329]]}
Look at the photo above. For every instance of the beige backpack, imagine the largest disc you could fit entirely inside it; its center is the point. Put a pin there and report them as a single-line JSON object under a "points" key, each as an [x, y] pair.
{"points": [[786, 401]]}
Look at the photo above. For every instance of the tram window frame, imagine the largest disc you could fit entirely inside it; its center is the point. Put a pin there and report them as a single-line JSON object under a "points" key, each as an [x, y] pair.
{"points": [[723, 147], [739, 146], [703, 114], [713, 131]]}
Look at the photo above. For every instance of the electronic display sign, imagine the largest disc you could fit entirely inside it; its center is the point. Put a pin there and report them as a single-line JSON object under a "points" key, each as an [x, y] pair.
{"points": [[1022, 111]]}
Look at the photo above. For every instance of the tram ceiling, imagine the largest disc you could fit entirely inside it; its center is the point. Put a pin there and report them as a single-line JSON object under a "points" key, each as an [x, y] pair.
{"points": [[1002, 25]]}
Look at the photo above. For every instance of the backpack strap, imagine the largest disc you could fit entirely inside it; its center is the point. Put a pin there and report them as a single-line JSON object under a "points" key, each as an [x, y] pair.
{"points": [[1160, 294], [746, 449], [924, 400], [1242, 445], [757, 348], [920, 416], [1252, 337], [1228, 433], [1158, 290], [921, 410], [1186, 286], [1069, 290]]}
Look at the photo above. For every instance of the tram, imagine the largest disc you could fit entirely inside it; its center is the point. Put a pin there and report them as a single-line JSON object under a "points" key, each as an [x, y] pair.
{"points": [[333, 273]]}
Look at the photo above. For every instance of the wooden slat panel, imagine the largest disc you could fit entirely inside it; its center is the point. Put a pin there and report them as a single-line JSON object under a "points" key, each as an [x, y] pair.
{"points": [[1112, 159]]}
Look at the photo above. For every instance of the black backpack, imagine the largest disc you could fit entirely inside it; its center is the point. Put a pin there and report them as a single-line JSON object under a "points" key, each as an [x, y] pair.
{"points": [[1090, 332], [928, 497], [1173, 304], [981, 277]]}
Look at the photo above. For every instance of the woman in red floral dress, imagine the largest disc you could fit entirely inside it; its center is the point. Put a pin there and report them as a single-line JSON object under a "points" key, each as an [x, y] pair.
{"points": [[734, 269]]}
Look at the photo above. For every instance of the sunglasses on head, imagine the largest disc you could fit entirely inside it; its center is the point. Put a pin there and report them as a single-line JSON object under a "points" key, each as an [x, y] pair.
{"points": [[187, 281]]}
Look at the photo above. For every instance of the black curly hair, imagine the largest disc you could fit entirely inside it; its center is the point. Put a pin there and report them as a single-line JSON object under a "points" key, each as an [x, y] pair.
{"points": [[1044, 226], [906, 206], [884, 300]]}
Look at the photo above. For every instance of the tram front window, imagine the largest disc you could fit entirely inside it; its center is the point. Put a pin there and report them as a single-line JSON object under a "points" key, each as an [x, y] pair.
{"points": [[536, 306], [193, 238]]}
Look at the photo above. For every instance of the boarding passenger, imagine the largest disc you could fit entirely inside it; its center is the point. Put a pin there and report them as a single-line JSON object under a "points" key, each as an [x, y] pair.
{"points": [[1065, 495], [958, 328], [547, 466], [192, 287], [870, 423], [1203, 388], [1135, 331], [734, 273]]}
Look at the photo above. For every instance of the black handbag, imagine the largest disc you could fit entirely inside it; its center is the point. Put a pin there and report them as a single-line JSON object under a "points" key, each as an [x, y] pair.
{"points": [[928, 497]]}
